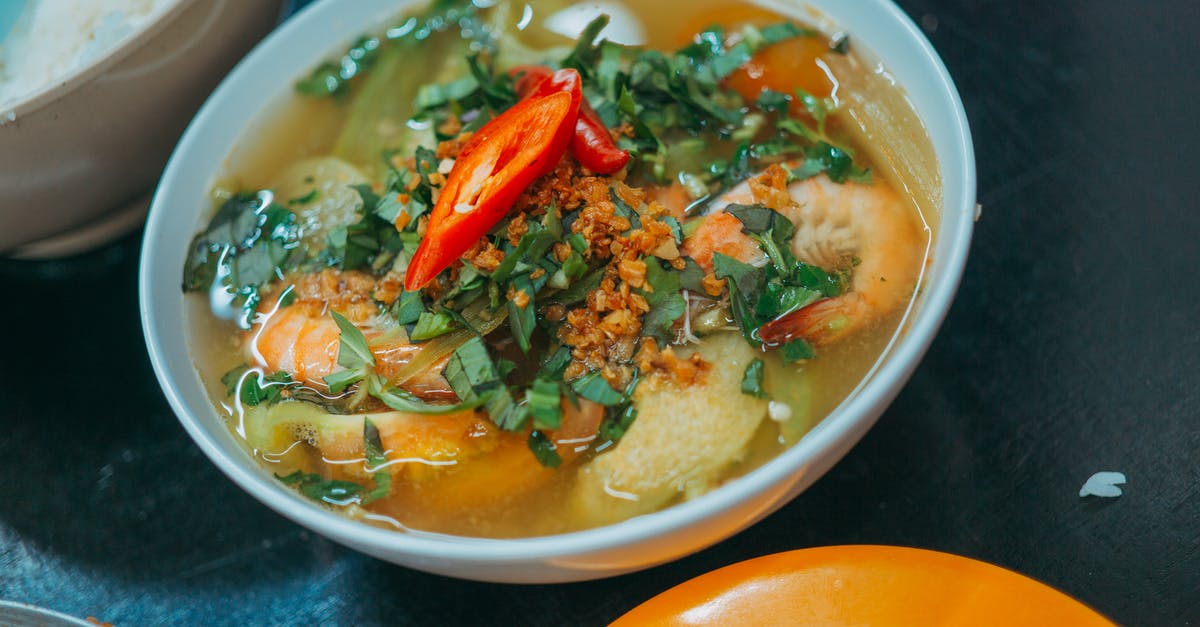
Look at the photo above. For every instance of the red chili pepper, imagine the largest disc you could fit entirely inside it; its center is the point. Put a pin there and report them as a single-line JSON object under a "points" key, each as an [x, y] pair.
{"points": [[592, 146], [493, 169]]}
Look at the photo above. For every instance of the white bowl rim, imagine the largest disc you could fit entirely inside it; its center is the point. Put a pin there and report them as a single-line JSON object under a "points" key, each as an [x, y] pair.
{"points": [[82, 74], [837, 428]]}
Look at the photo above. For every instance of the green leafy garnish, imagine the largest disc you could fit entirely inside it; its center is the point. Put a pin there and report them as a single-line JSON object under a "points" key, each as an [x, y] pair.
{"points": [[255, 387], [522, 319], [432, 324], [474, 378], [544, 399], [543, 449], [796, 350], [665, 300], [250, 242], [353, 354], [333, 492], [408, 307], [752, 379], [375, 457], [595, 388], [403, 400]]}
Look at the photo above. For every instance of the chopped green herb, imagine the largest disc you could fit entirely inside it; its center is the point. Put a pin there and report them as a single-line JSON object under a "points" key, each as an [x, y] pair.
{"points": [[691, 278], [430, 325], [353, 351], [255, 388], [332, 492], [522, 319], [375, 457], [595, 388], [840, 43], [556, 363], [250, 242], [403, 400], [544, 398], [353, 354], [474, 378], [752, 380], [615, 425], [665, 300], [543, 449], [408, 307], [796, 350]]}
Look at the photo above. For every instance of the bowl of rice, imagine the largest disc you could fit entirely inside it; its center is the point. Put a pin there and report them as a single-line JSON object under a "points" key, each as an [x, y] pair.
{"points": [[93, 95]]}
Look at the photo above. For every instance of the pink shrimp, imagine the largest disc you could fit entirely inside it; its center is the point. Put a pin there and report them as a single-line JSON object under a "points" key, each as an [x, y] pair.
{"points": [[302, 339], [838, 225]]}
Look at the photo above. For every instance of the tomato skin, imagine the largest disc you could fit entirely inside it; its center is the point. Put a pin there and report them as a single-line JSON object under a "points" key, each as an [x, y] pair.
{"points": [[782, 67], [591, 146], [492, 171]]}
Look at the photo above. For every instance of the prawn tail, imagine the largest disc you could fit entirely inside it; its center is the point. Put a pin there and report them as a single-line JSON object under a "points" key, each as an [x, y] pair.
{"points": [[821, 323]]}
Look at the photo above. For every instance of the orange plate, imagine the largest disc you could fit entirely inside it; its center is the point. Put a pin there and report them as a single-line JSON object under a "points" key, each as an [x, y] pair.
{"points": [[862, 585]]}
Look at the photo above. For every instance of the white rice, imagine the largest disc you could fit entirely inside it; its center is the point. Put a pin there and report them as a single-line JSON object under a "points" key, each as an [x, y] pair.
{"points": [[53, 37]]}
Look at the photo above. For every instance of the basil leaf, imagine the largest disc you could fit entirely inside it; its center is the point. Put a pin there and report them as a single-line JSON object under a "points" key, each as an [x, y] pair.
{"points": [[583, 56], [544, 398], [333, 492], [595, 388], [522, 319], [372, 443], [543, 449], [666, 302], [408, 307], [752, 379], [615, 425], [375, 457], [383, 486], [298, 476], [555, 363], [579, 289], [815, 278], [746, 277], [796, 350], [430, 325], [353, 351], [691, 278], [403, 400], [342, 379], [745, 281], [474, 378]]}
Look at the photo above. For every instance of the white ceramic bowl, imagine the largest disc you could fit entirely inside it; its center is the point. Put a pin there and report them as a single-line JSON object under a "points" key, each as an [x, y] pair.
{"points": [[94, 140], [179, 211]]}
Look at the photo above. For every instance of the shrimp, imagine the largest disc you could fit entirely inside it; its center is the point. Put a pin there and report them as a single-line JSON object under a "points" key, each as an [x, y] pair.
{"points": [[302, 339], [838, 225]]}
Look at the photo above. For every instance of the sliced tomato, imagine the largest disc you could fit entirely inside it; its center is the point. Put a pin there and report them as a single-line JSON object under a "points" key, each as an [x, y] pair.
{"points": [[493, 169]]}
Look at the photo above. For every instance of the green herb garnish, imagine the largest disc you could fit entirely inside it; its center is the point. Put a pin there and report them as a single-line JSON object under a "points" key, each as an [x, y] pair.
{"points": [[752, 379]]}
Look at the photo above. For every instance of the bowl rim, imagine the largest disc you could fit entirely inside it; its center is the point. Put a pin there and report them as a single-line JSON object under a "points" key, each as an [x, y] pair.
{"points": [[842, 427], [80, 75]]}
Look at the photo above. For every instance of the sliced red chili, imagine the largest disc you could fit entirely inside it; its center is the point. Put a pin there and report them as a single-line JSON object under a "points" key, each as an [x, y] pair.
{"points": [[493, 169], [592, 146]]}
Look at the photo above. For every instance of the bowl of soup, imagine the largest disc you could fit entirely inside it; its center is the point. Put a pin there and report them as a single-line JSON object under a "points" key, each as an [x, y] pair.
{"points": [[548, 293]]}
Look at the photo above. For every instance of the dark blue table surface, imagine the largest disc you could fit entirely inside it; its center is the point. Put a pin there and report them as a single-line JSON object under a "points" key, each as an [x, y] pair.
{"points": [[1073, 347]]}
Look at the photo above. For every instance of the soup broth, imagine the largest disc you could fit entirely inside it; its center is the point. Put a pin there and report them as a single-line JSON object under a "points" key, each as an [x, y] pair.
{"points": [[667, 326]]}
